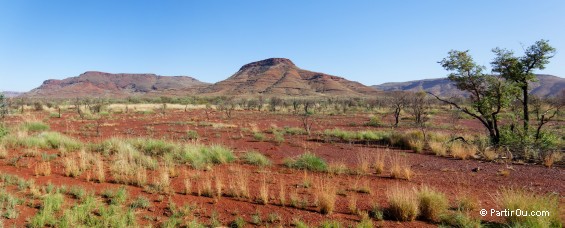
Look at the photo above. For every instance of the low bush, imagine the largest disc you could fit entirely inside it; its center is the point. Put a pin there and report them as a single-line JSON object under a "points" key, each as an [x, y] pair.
{"points": [[34, 126], [526, 202], [307, 161], [256, 158], [433, 204], [403, 204]]}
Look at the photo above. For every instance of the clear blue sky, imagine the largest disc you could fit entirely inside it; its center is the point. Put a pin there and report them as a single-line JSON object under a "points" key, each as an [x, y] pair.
{"points": [[367, 41]]}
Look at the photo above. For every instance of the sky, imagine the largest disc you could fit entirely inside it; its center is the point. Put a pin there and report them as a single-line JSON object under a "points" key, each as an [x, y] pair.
{"points": [[367, 41]]}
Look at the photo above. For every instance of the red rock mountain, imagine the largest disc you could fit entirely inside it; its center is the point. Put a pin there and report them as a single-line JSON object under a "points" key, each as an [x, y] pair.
{"points": [[100, 84], [279, 76]]}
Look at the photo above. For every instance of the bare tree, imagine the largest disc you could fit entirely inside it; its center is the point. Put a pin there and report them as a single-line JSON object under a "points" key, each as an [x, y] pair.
{"points": [[419, 106], [398, 101]]}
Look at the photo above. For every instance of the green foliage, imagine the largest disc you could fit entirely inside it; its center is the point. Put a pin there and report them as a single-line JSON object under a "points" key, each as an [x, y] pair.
{"points": [[46, 216], [3, 106], [200, 156], [513, 200], [259, 136], [140, 202], [307, 161], [294, 131], [238, 223], [433, 204], [192, 135], [3, 130], [45, 140], [117, 197], [374, 122], [256, 158], [34, 126]]}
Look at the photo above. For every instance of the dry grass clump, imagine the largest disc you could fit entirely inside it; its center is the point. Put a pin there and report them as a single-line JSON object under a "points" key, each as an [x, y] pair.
{"points": [[325, 193], [207, 189], [337, 168], [162, 183], [71, 167], [363, 163], [527, 202], [3, 151], [126, 172], [438, 148], [282, 193], [263, 191], [219, 185], [461, 151], [399, 169], [43, 168], [403, 203], [433, 204], [238, 187], [490, 154], [548, 160], [98, 169], [379, 162]]}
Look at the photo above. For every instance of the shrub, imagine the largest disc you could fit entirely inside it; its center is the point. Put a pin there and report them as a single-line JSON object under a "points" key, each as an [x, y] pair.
{"points": [[461, 151], [259, 136], [278, 137], [433, 204], [192, 135], [403, 204], [140, 202], [256, 158], [438, 148], [200, 156], [238, 223], [153, 147], [460, 219], [34, 126], [307, 161], [295, 131], [527, 202], [46, 215], [77, 192]]}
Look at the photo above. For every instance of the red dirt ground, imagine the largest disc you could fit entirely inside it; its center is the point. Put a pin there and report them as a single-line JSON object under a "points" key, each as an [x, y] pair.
{"points": [[453, 177]]}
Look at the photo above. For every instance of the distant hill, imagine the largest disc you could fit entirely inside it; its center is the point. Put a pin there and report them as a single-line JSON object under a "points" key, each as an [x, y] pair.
{"points": [[11, 93], [100, 84], [279, 76], [546, 86]]}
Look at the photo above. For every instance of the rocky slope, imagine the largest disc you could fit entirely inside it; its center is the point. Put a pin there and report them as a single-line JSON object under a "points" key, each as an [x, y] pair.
{"points": [[100, 84], [280, 77]]}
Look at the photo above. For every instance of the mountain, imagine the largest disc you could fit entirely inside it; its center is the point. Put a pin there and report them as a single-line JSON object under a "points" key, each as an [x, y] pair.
{"points": [[100, 84], [11, 93], [546, 86], [280, 77]]}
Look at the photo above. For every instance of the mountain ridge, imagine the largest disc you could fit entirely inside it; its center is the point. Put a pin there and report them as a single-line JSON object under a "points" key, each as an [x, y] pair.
{"points": [[546, 86]]}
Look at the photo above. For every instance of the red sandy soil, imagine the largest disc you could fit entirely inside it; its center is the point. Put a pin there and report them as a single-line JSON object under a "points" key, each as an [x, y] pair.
{"points": [[453, 177]]}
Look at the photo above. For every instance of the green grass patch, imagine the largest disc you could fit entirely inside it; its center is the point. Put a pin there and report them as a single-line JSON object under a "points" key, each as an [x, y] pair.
{"points": [[256, 158], [307, 161]]}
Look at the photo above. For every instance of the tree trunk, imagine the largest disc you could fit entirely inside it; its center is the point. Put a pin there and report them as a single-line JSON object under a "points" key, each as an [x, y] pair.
{"points": [[526, 111]]}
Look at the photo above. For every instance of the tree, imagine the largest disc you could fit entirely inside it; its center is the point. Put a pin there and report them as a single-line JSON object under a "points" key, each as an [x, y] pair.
{"points": [[488, 94], [398, 101], [418, 106], [520, 70], [3, 106]]}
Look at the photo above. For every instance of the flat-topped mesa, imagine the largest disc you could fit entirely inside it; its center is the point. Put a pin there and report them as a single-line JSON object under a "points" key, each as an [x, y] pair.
{"points": [[268, 62]]}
